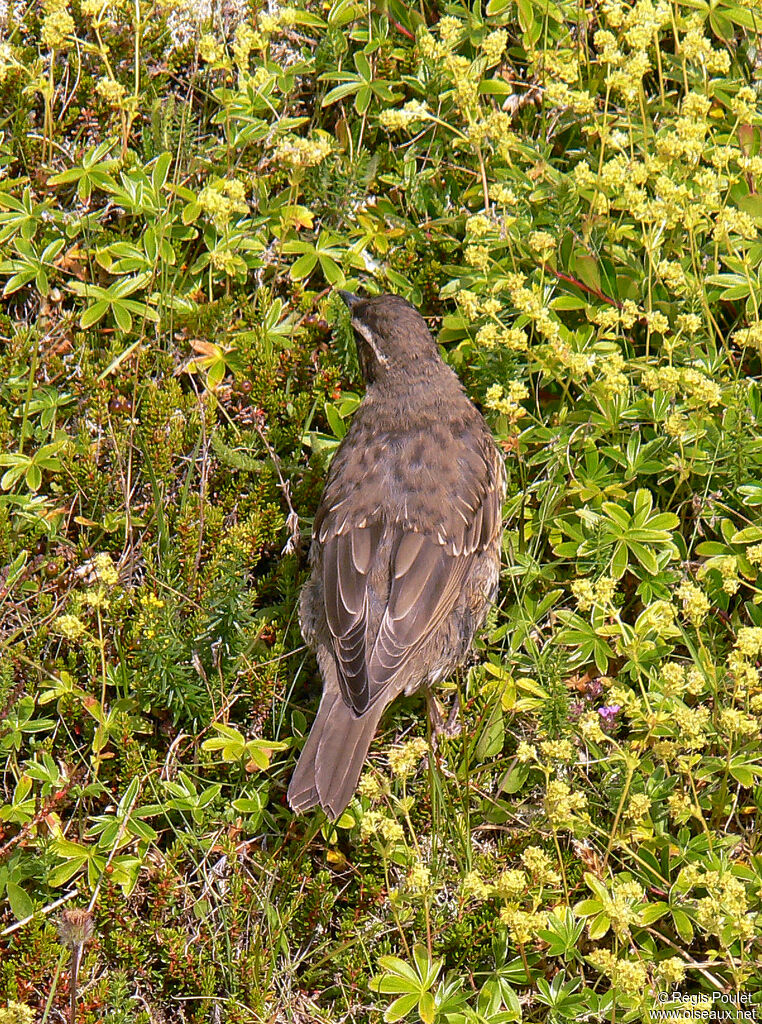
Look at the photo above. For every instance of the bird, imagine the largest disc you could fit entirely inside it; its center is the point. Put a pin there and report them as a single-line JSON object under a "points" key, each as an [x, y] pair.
{"points": [[405, 550]]}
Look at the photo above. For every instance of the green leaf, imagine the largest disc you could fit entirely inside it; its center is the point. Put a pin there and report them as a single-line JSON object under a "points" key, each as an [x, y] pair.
{"points": [[683, 925], [304, 266], [427, 1008], [587, 908], [21, 903], [598, 927], [93, 314], [653, 912], [401, 1007], [339, 92]]}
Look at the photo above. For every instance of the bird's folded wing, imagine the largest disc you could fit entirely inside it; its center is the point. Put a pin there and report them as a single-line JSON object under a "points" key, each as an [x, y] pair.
{"points": [[427, 572]]}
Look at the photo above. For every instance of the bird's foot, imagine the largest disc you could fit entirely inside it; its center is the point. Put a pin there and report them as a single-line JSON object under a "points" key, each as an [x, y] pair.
{"points": [[450, 728]]}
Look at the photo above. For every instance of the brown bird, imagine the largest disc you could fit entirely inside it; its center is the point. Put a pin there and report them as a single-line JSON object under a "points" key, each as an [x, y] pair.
{"points": [[405, 548]]}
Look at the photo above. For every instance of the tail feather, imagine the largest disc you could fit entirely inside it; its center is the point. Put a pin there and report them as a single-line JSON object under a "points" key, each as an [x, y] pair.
{"points": [[333, 756]]}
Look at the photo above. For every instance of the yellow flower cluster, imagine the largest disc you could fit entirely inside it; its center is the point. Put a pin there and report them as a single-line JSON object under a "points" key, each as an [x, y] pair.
{"points": [[697, 387], [147, 619], [609, 318], [589, 726], [511, 884], [540, 866], [376, 823], [628, 976], [564, 808], [210, 49], [695, 602], [246, 39], [542, 242], [724, 912], [680, 806], [221, 199], [404, 760], [419, 877], [670, 972], [473, 886], [622, 905], [531, 302], [507, 402], [281, 17], [478, 225], [105, 569], [749, 641], [589, 594], [95, 8], [523, 925], [697, 49], [727, 565], [299, 152], [401, 117], [639, 806], [731, 221], [493, 46], [558, 750], [734, 722], [492, 336], [70, 626], [692, 724], [502, 194], [57, 26], [110, 90], [525, 752], [749, 337]]}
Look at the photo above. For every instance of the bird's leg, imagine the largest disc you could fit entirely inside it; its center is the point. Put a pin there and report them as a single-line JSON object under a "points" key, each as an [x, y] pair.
{"points": [[440, 727]]}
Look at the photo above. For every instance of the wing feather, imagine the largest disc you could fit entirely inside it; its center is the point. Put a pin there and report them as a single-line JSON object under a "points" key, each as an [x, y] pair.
{"points": [[425, 577]]}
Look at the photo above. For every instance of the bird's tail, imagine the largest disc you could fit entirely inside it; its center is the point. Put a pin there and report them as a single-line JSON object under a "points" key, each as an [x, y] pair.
{"points": [[332, 758]]}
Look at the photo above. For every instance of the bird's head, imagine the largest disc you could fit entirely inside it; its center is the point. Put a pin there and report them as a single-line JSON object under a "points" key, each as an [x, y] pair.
{"points": [[391, 336]]}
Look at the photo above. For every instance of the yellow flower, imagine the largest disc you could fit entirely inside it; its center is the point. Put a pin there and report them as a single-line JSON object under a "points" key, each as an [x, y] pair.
{"points": [[473, 886], [500, 193], [370, 786], [525, 752], [522, 925], [69, 626], [210, 49], [404, 760], [540, 866], [57, 26], [560, 750], [638, 807], [396, 117], [542, 242], [590, 728], [749, 641], [299, 152], [695, 602], [493, 46], [450, 31], [479, 225], [419, 877], [680, 807]]}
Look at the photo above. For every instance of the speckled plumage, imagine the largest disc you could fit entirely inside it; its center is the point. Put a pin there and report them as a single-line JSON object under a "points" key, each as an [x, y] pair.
{"points": [[406, 545]]}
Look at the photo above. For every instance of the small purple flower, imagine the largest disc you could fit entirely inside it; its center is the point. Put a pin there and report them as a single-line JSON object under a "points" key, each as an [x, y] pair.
{"points": [[609, 713], [594, 688]]}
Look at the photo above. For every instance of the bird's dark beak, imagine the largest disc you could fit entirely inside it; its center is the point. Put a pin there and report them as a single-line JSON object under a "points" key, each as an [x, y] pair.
{"points": [[350, 299]]}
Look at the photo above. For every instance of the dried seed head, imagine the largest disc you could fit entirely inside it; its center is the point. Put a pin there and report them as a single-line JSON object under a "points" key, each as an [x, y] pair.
{"points": [[76, 927]]}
